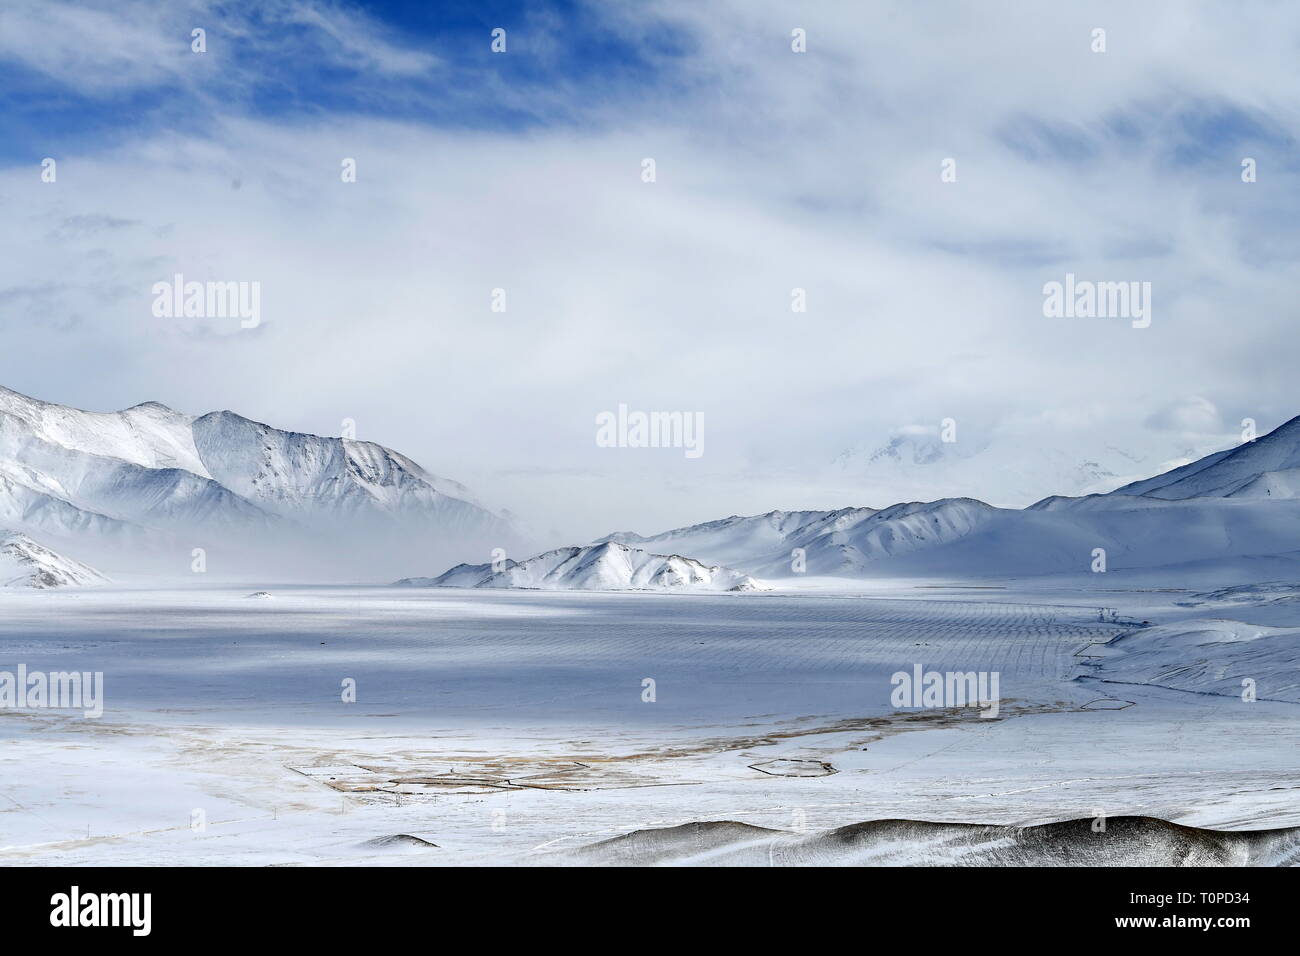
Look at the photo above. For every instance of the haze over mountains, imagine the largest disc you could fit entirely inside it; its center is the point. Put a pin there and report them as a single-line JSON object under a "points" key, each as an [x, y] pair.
{"points": [[143, 487], [1011, 469], [1268, 467], [1234, 512]]}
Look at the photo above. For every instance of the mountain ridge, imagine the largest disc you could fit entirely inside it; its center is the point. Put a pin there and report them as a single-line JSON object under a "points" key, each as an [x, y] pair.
{"points": [[150, 472], [1237, 504], [27, 564], [604, 566], [1228, 472]]}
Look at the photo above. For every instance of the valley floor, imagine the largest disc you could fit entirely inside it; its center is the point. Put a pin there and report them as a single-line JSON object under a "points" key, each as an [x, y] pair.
{"points": [[510, 726]]}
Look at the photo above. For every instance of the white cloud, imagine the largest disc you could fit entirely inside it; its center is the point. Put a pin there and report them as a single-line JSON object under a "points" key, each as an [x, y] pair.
{"points": [[103, 50], [1195, 415], [776, 170]]}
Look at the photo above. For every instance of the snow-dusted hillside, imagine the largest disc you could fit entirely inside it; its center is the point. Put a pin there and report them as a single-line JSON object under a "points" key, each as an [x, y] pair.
{"points": [[849, 541], [1231, 510], [308, 477], [65, 471], [843, 542], [1270, 594], [738, 539], [128, 476], [1268, 467], [26, 564], [963, 537], [607, 566], [1208, 656]]}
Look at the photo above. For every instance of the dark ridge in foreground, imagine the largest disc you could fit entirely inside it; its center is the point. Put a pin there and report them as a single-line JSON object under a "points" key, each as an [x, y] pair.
{"points": [[1125, 841], [396, 841]]}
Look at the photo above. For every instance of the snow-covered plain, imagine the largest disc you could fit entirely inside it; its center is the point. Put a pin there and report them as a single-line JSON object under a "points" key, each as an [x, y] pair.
{"points": [[509, 726], [640, 699]]}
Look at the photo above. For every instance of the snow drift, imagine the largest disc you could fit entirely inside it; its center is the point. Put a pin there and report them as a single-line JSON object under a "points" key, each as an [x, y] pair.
{"points": [[1207, 656]]}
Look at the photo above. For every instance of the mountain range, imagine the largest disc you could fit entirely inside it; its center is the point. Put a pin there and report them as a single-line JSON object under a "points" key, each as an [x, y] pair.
{"points": [[151, 484], [599, 567], [150, 481], [1237, 507], [1268, 467]]}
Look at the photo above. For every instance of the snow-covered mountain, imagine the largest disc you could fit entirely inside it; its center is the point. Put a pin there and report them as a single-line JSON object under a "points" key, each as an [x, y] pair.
{"points": [[306, 477], [1234, 513], [842, 542], [738, 539], [26, 564], [1268, 467], [149, 474], [607, 566], [65, 471], [151, 480]]}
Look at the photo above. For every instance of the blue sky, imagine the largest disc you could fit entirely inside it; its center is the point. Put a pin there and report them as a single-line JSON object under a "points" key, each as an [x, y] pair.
{"points": [[776, 170], [277, 61]]}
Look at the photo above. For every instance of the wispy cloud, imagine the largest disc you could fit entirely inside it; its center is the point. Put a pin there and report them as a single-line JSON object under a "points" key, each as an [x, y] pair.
{"points": [[776, 170]]}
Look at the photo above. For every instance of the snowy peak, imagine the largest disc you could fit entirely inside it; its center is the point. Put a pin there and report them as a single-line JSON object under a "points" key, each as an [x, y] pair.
{"points": [[1268, 467], [58, 475], [607, 566], [858, 538], [843, 541], [150, 470], [150, 435], [296, 474], [737, 540], [911, 446], [26, 564], [779, 522], [1217, 511]]}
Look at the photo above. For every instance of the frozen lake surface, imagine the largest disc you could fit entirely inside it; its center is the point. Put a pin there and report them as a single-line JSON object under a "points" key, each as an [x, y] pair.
{"points": [[510, 726]]}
